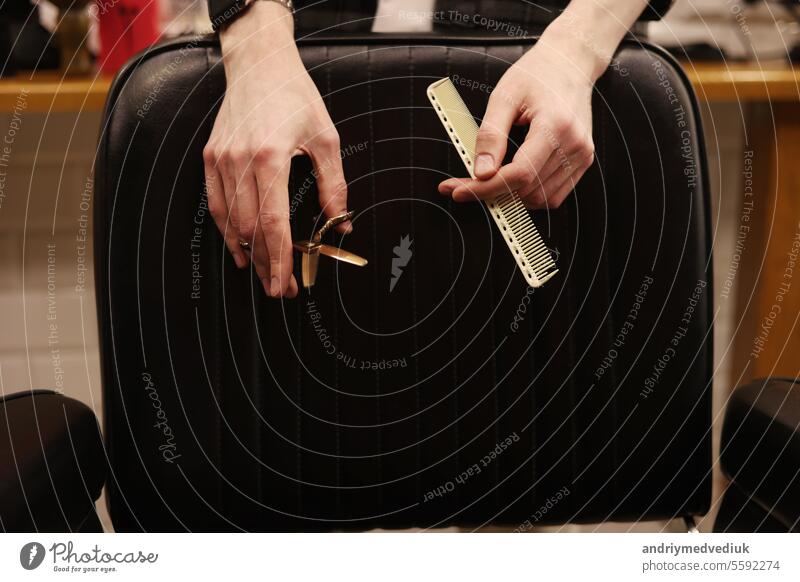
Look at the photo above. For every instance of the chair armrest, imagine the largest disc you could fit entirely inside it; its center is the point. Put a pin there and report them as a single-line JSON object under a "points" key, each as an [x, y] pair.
{"points": [[52, 462], [760, 448]]}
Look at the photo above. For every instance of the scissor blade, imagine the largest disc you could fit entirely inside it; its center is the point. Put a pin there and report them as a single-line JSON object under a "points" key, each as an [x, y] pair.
{"points": [[342, 255], [309, 268]]}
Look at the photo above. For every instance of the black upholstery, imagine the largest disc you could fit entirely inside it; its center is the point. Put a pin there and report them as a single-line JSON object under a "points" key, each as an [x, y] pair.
{"points": [[760, 453], [269, 430], [52, 463]]}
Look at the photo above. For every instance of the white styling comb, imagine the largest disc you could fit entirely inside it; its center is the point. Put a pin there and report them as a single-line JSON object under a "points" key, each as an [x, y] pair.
{"points": [[507, 210]]}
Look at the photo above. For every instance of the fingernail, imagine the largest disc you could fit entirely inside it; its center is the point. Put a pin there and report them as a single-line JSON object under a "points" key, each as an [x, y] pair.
{"points": [[275, 287], [445, 188], [484, 164], [240, 261], [460, 195]]}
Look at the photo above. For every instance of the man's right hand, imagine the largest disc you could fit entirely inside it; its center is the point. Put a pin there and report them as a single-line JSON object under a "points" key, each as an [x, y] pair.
{"points": [[271, 112]]}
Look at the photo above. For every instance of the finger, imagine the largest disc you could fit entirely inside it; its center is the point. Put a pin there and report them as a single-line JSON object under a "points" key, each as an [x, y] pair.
{"points": [[520, 175], [326, 156], [537, 196], [293, 288], [274, 218], [546, 175], [492, 141], [447, 186], [246, 202], [557, 168], [556, 189], [559, 164], [218, 207], [556, 158], [261, 259], [228, 173]]}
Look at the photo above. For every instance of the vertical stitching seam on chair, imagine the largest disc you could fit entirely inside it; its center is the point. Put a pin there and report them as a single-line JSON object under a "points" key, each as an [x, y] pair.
{"points": [[298, 405], [492, 327], [535, 333], [572, 315], [454, 332], [336, 429], [220, 294], [374, 198], [298, 416], [532, 333], [259, 383], [415, 337], [612, 490]]}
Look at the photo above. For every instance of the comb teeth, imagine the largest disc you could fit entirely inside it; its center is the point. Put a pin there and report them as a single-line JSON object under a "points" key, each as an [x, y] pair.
{"points": [[509, 213]]}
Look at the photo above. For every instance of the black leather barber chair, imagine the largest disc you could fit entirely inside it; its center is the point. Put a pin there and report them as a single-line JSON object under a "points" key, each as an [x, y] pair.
{"points": [[456, 397], [51, 464], [760, 454]]}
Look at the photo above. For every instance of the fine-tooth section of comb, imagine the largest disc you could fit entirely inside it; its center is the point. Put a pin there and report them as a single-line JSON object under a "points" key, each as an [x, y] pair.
{"points": [[507, 210]]}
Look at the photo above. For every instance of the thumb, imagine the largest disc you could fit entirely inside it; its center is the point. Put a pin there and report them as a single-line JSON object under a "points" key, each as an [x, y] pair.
{"points": [[492, 141]]}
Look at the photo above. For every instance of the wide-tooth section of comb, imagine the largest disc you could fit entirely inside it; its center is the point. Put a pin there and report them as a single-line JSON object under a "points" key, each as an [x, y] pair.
{"points": [[509, 213]]}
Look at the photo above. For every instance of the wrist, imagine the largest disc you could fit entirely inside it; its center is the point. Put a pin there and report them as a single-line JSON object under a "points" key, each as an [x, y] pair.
{"points": [[579, 47], [590, 31], [266, 29]]}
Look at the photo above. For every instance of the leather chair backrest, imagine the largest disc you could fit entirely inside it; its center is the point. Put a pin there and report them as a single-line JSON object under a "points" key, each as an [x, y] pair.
{"points": [[457, 397]]}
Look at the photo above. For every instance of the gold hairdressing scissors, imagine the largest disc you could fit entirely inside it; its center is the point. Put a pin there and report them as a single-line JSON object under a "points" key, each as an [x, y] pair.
{"points": [[312, 249]]}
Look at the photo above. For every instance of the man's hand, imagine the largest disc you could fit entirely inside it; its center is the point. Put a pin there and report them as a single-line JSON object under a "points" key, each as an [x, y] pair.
{"points": [[548, 89], [271, 112]]}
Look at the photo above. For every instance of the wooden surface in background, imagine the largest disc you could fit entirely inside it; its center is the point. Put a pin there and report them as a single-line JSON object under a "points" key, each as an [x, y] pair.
{"points": [[769, 81], [50, 92], [767, 342], [746, 82]]}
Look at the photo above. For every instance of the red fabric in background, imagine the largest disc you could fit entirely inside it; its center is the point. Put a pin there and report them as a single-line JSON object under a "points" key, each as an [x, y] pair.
{"points": [[126, 27]]}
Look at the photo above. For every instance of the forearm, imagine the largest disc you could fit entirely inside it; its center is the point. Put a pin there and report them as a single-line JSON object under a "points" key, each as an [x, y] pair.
{"points": [[588, 32]]}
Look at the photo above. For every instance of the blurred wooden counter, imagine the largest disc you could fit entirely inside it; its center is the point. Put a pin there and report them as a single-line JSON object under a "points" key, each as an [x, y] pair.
{"points": [[771, 81], [50, 92]]}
